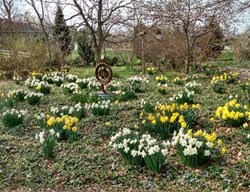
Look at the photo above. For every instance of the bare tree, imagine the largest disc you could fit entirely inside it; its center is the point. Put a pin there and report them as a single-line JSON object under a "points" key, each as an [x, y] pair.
{"points": [[39, 6], [101, 17], [189, 16]]}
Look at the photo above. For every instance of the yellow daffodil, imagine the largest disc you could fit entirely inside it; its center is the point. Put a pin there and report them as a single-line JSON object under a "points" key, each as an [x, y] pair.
{"points": [[107, 124], [223, 150]]}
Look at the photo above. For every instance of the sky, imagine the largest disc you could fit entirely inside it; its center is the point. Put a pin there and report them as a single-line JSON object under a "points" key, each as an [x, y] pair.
{"points": [[241, 26]]}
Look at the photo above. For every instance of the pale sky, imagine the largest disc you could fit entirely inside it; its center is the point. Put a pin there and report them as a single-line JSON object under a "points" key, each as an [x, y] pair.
{"points": [[241, 26]]}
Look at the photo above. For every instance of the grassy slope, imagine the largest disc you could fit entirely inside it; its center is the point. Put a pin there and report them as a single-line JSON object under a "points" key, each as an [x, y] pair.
{"points": [[90, 164]]}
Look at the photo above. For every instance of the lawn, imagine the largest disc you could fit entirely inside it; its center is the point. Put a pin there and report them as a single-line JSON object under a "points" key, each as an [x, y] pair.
{"points": [[89, 163]]}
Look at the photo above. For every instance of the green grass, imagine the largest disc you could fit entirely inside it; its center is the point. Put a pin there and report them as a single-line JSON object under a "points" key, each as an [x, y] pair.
{"points": [[90, 164]]}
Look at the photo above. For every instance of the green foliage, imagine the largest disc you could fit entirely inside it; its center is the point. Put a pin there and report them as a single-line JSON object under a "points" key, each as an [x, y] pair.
{"points": [[127, 93], [85, 49], [12, 118], [218, 88], [48, 147]]}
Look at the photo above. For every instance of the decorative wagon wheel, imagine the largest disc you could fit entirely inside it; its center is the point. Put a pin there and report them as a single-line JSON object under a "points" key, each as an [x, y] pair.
{"points": [[103, 73]]}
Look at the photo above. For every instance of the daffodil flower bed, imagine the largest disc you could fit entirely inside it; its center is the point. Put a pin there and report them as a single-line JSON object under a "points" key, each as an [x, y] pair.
{"points": [[84, 97], [47, 140], [12, 117], [82, 83], [37, 75], [70, 78], [246, 87], [161, 79], [114, 86], [126, 94], [18, 95], [42, 87], [225, 77], [147, 106], [169, 118], [218, 87], [65, 126], [76, 110], [193, 86], [69, 88], [196, 148], [33, 98], [137, 82], [162, 89], [93, 84], [233, 113], [17, 79], [150, 70], [101, 108], [179, 81], [184, 96], [139, 150]]}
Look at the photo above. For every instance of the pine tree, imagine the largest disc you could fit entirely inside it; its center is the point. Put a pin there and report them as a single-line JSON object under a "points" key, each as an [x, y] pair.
{"points": [[85, 49], [61, 32]]}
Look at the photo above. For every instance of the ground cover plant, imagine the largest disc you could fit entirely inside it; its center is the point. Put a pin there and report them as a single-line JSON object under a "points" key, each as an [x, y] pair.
{"points": [[191, 138]]}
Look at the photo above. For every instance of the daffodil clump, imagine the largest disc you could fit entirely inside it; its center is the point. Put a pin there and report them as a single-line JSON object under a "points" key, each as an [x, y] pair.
{"points": [[12, 117], [70, 78], [147, 106], [150, 70], [47, 140], [184, 96], [179, 81], [54, 77], [137, 82], [169, 118], [196, 148], [225, 77], [162, 88], [101, 108], [18, 95], [69, 88], [93, 84], [32, 82], [82, 83], [246, 86], [18, 79], [37, 75], [161, 79], [84, 97], [193, 86], [77, 110], [233, 113], [7, 100], [114, 86], [42, 87], [33, 98], [139, 150], [138, 62], [65, 126], [126, 94]]}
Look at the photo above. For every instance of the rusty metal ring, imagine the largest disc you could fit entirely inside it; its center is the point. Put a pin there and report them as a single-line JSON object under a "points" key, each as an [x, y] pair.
{"points": [[103, 73]]}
